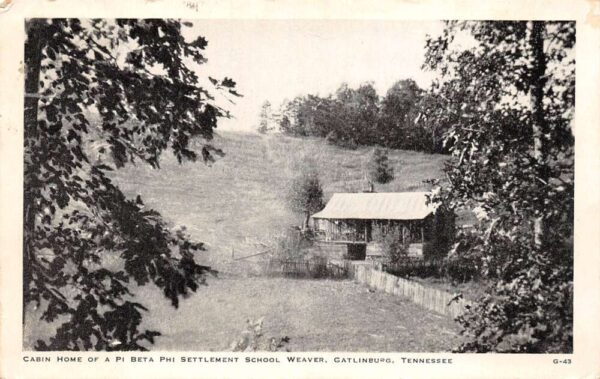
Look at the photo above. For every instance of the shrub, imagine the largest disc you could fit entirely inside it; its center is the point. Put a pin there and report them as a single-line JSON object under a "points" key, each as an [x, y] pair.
{"points": [[293, 245], [419, 268], [459, 269], [318, 267], [380, 170], [465, 260], [391, 245]]}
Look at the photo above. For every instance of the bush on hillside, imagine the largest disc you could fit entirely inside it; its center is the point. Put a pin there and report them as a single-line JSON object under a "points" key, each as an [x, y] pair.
{"points": [[380, 170]]}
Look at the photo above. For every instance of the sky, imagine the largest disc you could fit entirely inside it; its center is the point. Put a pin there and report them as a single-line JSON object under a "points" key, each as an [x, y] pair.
{"points": [[280, 59]]}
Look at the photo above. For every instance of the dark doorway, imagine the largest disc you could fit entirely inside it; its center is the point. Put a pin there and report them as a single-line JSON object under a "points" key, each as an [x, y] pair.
{"points": [[357, 251]]}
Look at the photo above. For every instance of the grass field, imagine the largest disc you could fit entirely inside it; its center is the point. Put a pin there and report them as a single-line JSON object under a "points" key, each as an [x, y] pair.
{"points": [[237, 205], [317, 315], [239, 201]]}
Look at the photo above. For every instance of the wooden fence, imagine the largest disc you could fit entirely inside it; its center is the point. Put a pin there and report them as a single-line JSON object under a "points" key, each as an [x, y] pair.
{"points": [[433, 299], [306, 268]]}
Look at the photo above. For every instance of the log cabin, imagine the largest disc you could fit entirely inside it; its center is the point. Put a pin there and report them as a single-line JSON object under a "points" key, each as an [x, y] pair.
{"points": [[358, 220]]}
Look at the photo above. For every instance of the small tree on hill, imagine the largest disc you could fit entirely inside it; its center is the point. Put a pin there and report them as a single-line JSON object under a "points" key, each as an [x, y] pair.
{"points": [[380, 170], [265, 118], [305, 194]]}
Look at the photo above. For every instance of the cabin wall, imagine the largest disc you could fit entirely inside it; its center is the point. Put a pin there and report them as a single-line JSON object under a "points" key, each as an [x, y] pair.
{"points": [[330, 250], [411, 231], [430, 237]]}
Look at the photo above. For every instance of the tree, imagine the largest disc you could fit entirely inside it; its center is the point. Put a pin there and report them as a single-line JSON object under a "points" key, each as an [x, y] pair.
{"points": [[429, 133], [285, 125], [396, 127], [307, 115], [286, 115], [356, 116], [305, 194], [508, 95], [380, 170], [265, 118], [346, 119], [99, 95], [358, 112]]}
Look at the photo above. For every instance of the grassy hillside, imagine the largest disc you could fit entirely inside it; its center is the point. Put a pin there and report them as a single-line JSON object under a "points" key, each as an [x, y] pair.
{"points": [[239, 201]]}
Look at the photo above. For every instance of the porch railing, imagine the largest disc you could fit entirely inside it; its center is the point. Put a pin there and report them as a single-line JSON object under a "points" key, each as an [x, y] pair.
{"points": [[344, 236]]}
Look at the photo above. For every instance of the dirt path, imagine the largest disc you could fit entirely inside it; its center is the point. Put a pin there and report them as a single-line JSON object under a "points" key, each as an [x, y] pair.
{"points": [[317, 315]]}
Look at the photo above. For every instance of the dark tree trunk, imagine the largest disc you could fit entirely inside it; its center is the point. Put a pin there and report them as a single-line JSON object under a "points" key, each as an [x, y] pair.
{"points": [[539, 125], [33, 57]]}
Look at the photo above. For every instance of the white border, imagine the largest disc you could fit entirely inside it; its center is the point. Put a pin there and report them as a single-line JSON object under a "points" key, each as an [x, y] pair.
{"points": [[586, 358]]}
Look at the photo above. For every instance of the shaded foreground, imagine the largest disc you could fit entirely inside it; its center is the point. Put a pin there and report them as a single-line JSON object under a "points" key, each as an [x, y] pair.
{"points": [[317, 315]]}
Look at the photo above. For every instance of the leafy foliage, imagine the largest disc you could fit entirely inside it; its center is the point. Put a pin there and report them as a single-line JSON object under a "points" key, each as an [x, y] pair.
{"points": [[305, 194], [396, 125], [293, 244], [506, 95], [380, 170], [391, 244], [464, 262], [352, 117], [101, 94]]}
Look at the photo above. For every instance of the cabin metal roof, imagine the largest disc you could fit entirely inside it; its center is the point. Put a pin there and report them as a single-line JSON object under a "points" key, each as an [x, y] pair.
{"points": [[377, 206]]}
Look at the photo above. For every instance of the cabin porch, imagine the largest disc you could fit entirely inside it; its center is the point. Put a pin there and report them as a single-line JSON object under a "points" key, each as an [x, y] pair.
{"points": [[366, 231]]}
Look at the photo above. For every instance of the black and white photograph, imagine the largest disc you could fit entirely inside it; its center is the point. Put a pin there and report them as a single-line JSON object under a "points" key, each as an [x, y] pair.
{"points": [[418, 198], [349, 188]]}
